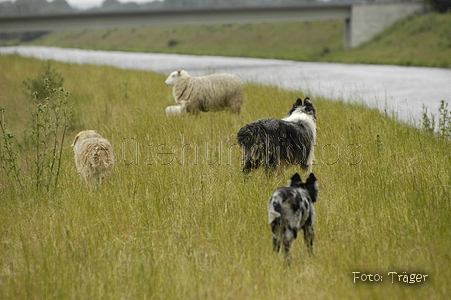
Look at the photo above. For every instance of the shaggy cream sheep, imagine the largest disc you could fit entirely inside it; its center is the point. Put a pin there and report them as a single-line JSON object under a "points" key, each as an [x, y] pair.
{"points": [[93, 157], [212, 92]]}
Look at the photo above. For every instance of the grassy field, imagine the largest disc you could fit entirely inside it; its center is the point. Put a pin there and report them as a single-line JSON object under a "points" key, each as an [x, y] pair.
{"points": [[178, 220], [418, 40]]}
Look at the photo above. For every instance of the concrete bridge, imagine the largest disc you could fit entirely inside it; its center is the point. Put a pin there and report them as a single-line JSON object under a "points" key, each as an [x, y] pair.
{"points": [[362, 20]]}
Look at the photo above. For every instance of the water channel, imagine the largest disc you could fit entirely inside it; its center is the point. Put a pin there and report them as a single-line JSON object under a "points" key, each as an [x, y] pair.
{"points": [[402, 90]]}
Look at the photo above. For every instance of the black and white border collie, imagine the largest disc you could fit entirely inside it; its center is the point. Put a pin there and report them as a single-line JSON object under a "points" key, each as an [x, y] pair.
{"points": [[290, 209], [274, 142]]}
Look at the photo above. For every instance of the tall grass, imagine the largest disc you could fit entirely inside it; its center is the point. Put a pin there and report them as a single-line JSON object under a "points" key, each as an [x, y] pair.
{"points": [[178, 220]]}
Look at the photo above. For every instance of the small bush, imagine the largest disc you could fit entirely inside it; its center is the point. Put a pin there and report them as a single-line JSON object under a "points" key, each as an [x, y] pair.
{"points": [[8, 156], [442, 6], [50, 117], [37, 88], [172, 43], [444, 120], [443, 126], [50, 123], [428, 123]]}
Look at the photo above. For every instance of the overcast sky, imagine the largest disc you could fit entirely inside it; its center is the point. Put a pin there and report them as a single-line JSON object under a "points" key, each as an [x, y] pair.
{"points": [[91, 3]]}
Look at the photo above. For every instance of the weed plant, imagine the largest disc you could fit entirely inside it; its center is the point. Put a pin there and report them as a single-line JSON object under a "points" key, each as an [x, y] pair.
{"points": [[49, 119], [443, 128], [178, 220], [42, 85], [8, 156], [50, 123]]}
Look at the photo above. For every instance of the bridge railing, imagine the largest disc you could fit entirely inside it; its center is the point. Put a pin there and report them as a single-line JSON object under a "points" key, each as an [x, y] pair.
{"points": [[361, 20]]}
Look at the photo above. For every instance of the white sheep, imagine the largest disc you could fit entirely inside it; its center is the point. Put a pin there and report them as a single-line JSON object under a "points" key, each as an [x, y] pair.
{"points": [[176, 110], [212, 92], [93, 157]]}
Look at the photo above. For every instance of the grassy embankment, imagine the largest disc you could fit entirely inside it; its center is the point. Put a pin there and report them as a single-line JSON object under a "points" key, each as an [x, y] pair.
{"points": [[188, 225], [418, 40]]}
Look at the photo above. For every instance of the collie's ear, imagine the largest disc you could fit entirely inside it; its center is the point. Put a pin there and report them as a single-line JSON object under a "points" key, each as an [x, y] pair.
{"points": [[312, 186], [295, 181], [308, 103], [309, 108], [297, 104]]}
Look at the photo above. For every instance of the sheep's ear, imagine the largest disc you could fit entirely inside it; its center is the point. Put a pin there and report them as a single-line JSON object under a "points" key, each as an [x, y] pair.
{"points": [[182, 102], [75, 140], [296, 180], [179, 72]]}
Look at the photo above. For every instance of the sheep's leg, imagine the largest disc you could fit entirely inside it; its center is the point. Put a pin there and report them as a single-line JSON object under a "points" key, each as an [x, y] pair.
{"points": [[235, 104]]}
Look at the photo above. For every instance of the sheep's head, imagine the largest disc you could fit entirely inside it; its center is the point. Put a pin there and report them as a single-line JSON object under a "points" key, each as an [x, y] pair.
{"points": [[183, 103], [174, 77], [85, 135]]}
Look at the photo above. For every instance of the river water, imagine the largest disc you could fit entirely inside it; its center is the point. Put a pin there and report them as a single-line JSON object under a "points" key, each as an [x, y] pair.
{"points": [[402, 90]]}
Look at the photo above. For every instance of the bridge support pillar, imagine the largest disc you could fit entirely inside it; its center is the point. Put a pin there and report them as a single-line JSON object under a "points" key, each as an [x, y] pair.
{"points": [[369, 19]]}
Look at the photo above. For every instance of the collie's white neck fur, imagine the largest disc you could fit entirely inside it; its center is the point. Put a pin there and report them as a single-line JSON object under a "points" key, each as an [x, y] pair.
{"points": [[301, 116]]}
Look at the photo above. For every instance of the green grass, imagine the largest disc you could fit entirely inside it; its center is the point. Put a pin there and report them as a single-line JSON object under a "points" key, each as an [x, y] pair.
{"points": [[170, 226], [417, 40], [299, 41]]}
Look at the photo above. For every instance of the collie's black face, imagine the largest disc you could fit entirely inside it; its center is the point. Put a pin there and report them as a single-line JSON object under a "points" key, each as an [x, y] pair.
{"points": [[306, 108]]}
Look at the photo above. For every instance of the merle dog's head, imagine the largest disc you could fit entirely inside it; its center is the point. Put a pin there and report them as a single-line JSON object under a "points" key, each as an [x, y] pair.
{"points": [[310, 185], [306, 108]]}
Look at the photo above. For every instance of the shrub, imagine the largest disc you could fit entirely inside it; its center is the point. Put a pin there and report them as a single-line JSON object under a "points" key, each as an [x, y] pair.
{"points": [[8, 156], [50, 123], [442, 6], [37, 88], [172, 43]]}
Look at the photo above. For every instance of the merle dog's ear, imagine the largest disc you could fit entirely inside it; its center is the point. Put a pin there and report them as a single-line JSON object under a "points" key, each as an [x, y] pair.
{"points": [[296, 181], [312, 186]]}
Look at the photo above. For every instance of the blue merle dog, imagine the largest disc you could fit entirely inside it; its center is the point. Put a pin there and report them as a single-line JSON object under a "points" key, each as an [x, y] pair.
{"points": [[290, 209]]}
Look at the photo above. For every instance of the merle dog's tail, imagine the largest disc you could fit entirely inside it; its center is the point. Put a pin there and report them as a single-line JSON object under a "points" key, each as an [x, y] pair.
{"points": [[274, 208]]}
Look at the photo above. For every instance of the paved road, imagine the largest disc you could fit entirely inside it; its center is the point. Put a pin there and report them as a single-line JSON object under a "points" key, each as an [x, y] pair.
{"points": [[402, 89]]}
